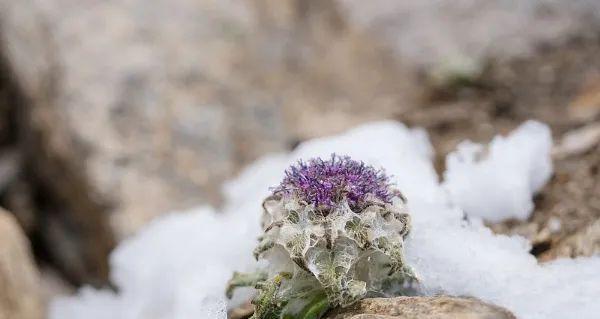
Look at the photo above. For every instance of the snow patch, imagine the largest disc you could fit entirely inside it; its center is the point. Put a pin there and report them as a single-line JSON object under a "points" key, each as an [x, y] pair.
{"points": [[497, 182]]}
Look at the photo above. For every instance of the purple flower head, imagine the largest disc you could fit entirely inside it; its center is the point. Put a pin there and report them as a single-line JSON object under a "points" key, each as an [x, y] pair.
{"points": [[326, 183]]}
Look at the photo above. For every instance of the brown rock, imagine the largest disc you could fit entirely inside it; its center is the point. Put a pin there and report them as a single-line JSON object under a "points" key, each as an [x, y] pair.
{"points": [[578, 141], [586, 105], [438, 307], [242, 312], [19, 279], [585, 242]]}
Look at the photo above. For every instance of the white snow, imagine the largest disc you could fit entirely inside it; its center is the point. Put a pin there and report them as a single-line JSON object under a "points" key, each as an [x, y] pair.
{"points": [[178, 266], [498, 181], [175, 268]]}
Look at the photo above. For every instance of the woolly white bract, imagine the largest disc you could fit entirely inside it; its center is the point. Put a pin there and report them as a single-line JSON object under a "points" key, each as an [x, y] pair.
{"points": [[334, 233], [179, 265]]}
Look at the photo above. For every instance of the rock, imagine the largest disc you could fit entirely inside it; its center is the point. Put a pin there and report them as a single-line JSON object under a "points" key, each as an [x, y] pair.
{"points": [[7, 103], [19, 279], [585, 242], [142, 122], [439, 35], [242, 312], [14, 190], [53, 285], [324, 70], [578, 141], [151, 111], [586, 104], [421, 308], [9, 167], [130, 120]]}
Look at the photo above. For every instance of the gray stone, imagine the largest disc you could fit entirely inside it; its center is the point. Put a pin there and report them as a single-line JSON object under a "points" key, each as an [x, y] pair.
{"points": [[131, 110], [461, 34]]}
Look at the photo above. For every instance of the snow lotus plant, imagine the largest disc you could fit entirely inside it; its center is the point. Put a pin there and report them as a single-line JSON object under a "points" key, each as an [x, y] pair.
{"points": [[333, 234]]}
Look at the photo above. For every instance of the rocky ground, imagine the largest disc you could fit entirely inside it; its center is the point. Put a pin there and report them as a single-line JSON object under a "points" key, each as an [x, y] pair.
{"points": [[440, 307], [112, 113], [421, 307], [560, 86]]}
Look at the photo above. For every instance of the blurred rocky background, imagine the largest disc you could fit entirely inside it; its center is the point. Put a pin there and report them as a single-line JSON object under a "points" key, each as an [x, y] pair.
{"points": [[113, 112]]}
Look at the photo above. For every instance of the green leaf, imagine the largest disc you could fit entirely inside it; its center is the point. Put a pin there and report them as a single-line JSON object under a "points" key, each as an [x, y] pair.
{"points": [[316, 308]]}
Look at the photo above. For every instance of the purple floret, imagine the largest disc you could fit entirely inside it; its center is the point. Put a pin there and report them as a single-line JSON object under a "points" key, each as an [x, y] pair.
{"points": [[326, 183]]}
